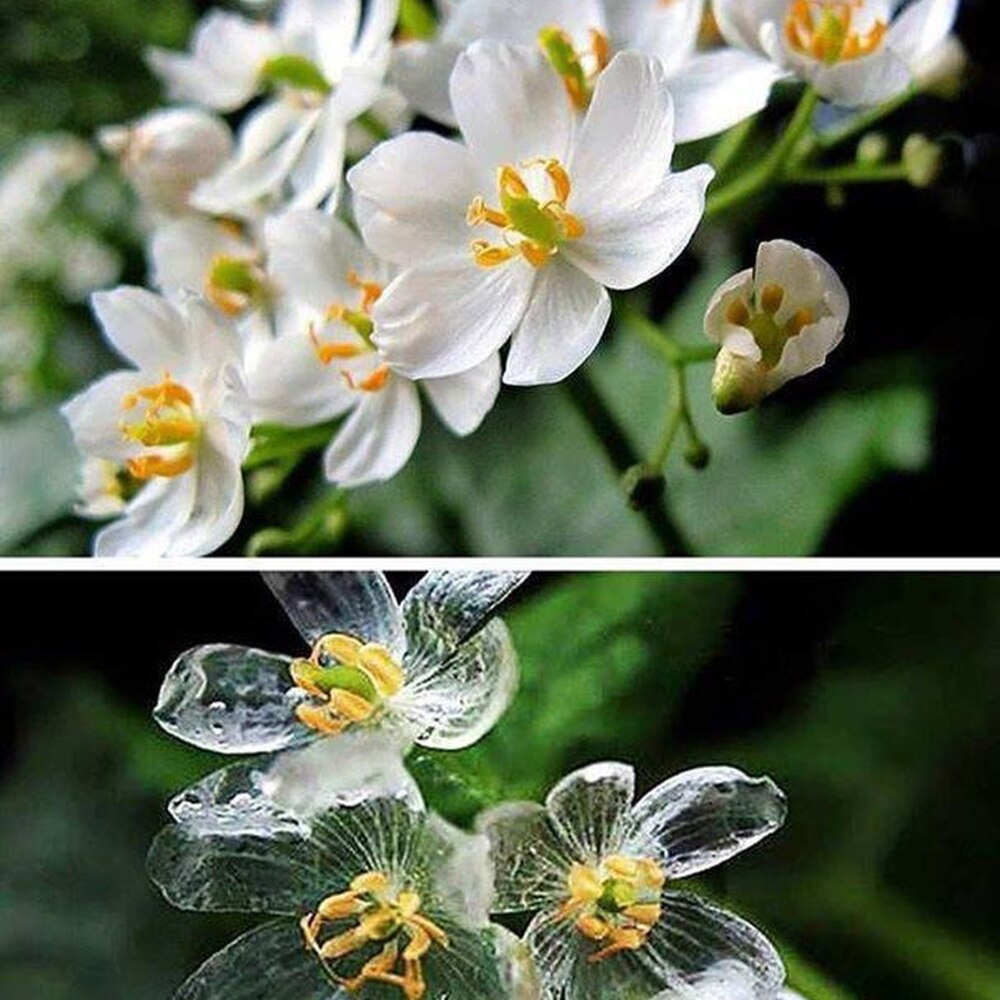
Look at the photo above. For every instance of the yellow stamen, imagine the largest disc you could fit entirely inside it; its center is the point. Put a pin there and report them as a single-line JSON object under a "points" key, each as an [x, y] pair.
{"points": [[579, 70], [359, 320], [168, 427], [802, 319], [761, 319], [771, 298], [824, 30]]}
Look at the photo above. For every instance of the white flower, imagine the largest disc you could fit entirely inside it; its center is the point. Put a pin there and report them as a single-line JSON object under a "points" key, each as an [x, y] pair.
{"points": [[437, 669], [515, 234], [179, 424], [166, 153], [602, 873], [324, 364], [854, 52], [773, 323], [325, 68], [102, 490]]}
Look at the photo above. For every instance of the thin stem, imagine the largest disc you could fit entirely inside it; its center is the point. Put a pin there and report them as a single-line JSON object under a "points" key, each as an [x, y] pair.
{"points": [[730, 143], [662, 343], [852, 173], [675, 419], [862, 122], [589, 404]]}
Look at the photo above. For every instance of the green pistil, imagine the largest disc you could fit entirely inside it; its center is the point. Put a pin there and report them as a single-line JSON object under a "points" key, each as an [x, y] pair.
{"points": [[294, 71]]}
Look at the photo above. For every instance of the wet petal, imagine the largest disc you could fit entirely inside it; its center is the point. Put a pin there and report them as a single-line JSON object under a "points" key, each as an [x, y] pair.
{"points": [[358, 604], [705, 816], [231, 699]]}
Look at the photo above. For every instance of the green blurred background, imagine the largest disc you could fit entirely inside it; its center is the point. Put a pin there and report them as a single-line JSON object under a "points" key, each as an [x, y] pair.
{"points": [[872, 700], [878, 454]]}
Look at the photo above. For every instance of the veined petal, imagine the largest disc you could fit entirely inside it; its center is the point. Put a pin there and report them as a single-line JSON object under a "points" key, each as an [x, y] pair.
{"points": [[267, 963], [417, 189], [143, 327], [623, 149], [625, 246], [94, 415], [510, 105], [462, 401], [565, 320], [693, 938], [700, 818], [530, 865], [864, 82], [591, 809], [231, 699], [921, 27], [378, 438], [357, 604], [466, 969], [450, 316], [715, 90], [454, 703], [422, 71]]}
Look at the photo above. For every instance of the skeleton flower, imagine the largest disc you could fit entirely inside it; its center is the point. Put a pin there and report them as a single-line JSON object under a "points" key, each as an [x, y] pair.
{"points": [[324, 362], [774, 323], [854, 52], [711, 91], [516, 233], [600, 871], [319, 66], [175, 429], [373, 899], [437, 669]]}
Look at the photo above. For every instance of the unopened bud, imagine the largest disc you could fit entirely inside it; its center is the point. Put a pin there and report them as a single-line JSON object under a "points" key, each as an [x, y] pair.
{"points": [[697, 455], [873, 149], [737, 384], [923, 160], [643, 486], [165, 154], [942, 71]]}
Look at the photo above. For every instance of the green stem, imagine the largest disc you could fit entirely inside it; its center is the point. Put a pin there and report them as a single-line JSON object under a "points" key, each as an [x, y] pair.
{"points": [[375, 128], [590, 406], [272, 443], [861, 122], [730, 143], [670, 349], [758, 177], [675, 419], [852, 173]]}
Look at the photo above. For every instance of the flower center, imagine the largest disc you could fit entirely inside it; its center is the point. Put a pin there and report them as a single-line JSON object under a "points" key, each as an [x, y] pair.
{"points": [[359, 319], [235, 284], [616, 904], [579, 69], [381, 916], [349, 681], [759, 317], [824, 30], [167, 428], [531, 228]]}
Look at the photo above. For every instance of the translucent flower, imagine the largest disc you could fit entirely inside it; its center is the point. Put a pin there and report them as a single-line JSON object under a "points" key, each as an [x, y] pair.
{"points": [[324, 362], [320, 66], [166, 153], [376, 899], [601, 871], [437, 668], [711, 90], [854, 52], [515, 234], [177, 425], [774, 323]]}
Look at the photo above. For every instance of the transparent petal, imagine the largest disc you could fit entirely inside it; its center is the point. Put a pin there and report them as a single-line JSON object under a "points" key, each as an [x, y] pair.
{"points": [[530, 865], [231, 699], [705, 816], [452, 703], [358, 604], [446, 607], [517, 966], [463, 875], [268, 963], [695, 942], [591, 808]]}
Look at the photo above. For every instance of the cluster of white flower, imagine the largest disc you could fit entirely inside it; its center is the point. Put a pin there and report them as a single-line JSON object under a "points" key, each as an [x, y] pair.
{"points": [[373, 894], [558, 188]]}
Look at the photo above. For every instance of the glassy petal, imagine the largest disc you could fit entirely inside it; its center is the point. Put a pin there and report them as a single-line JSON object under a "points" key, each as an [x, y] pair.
{"points": [[358, 604], [231, 699], [705, 816], [591, 809], [466, 969], [267, 963]]}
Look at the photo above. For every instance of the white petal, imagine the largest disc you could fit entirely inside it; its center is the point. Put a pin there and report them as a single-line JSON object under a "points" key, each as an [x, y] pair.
{"points": [[417, 189], [626, 246], [564, 322], [510, 105], [591, 810], [358, 604], [668, 31], [453, 703], [806, 352], [715, 90], [151, 522], [231, 699], [921, 28], [379, 24], [805, 276], [451, 316], [94, 416], [316, 176], [623, 149], [718, 329], [864, 82], [322, 31], [703, 817], [378, 438], [182, 250], [462, 401], [422, 71], [740, 22], [143, 327]]}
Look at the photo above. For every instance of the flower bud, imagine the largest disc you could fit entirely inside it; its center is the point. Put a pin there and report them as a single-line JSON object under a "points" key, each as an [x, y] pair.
{"points": [[643, 486], [166, 153], [942, 71], [738, 384], [873, 149], [697, 455], [923, 160]]}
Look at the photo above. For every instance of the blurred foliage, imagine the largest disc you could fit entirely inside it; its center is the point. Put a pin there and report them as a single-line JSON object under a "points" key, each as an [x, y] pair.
{"points": [[872, 701]]}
